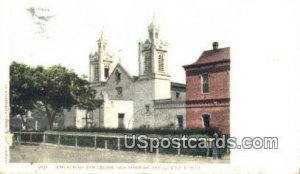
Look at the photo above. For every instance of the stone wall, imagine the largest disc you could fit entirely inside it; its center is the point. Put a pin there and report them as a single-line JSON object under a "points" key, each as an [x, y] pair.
{"points": [[167, 112]]}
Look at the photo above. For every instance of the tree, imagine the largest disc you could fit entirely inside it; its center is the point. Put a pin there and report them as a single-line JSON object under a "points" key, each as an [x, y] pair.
{"points": [[22, 91], [60, 88], [86, 100], [56, 88]]}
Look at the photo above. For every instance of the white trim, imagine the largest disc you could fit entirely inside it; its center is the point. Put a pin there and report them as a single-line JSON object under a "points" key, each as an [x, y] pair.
{"points": [[201, 82]]}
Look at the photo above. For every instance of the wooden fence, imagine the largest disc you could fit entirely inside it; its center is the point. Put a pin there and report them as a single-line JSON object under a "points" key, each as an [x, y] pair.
{"points": [[96, 140]]}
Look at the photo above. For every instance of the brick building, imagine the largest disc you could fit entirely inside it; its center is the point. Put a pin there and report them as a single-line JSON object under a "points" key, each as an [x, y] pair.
{"points": [[207, 90]]}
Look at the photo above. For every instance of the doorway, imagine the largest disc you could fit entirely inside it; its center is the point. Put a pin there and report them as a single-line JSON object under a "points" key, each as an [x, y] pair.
{"points": [[121, 124]]}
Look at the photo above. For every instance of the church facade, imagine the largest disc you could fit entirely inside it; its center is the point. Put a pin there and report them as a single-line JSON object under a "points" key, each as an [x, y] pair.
{"points": [[149, 100]]}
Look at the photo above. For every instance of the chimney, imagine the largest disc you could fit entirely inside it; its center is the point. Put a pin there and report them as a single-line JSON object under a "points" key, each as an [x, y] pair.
{"points": [[215, 45]]}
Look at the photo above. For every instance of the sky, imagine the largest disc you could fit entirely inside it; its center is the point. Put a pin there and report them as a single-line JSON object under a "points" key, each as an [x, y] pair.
{"points": [[264, 37], [71, 34]]}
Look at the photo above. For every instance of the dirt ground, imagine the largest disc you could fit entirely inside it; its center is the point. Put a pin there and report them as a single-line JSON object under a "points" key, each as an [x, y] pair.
{"points": [[54, 154]]}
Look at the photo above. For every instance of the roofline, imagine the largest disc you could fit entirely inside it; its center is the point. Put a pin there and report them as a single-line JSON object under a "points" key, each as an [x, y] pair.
{"points": [[205, 64], [123, 68], [208, 63], [182, 85]]}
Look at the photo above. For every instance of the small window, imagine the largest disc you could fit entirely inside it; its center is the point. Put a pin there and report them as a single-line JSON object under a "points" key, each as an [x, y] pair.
{"points": [[150, 34], [180, 121], [206, 120], [147, 108], [118, 76], [205, 83], [96, 72], [156, 35], [106, 72], [177, 95], [119, 90]]}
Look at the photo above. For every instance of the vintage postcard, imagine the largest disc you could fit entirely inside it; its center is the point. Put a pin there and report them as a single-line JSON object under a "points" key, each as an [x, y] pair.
{"points": [[149, 87]]}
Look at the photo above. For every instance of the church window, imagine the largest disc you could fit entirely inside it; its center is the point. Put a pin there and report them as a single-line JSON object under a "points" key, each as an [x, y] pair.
{"points": [[161, 63], [177, 95], [147, 64], [150, 34], [205, 83], [96, 72], [106, 72], [119, 90], [156, 35], [147, 108], [118, 76]]}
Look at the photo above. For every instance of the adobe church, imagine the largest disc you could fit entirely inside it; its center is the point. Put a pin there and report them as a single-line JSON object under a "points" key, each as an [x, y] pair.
{"points": [[149, 100]]}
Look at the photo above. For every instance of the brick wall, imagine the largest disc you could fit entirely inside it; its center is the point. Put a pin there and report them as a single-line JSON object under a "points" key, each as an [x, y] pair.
{"points": [[216, 103], [218, 86], [219, 117]]}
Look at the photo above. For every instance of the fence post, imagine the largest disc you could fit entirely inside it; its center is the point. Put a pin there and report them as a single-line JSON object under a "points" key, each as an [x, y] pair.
{"points": [[58, 141], [105, 144], [76, 141], [207, 148], [178, 151], [44, 137], [30, 140], [95, 142], [215, 150], [118, 143], [18, 140], [157, 151]]}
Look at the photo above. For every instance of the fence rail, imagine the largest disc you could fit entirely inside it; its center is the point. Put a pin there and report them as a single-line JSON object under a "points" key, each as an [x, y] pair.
{"points": [[94, 140]]}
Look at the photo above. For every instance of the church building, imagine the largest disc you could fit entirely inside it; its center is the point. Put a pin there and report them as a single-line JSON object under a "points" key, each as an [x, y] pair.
{"points": [[149, 100]]}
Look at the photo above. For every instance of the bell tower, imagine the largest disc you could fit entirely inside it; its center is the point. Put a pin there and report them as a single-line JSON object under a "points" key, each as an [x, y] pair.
{"points": [[153, 54], [102, 62], [154, 63]]}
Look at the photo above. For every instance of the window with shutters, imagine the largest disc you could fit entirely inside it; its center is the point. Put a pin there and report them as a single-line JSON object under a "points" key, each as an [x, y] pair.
{"points": [[147, 64], [161, 62]]}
